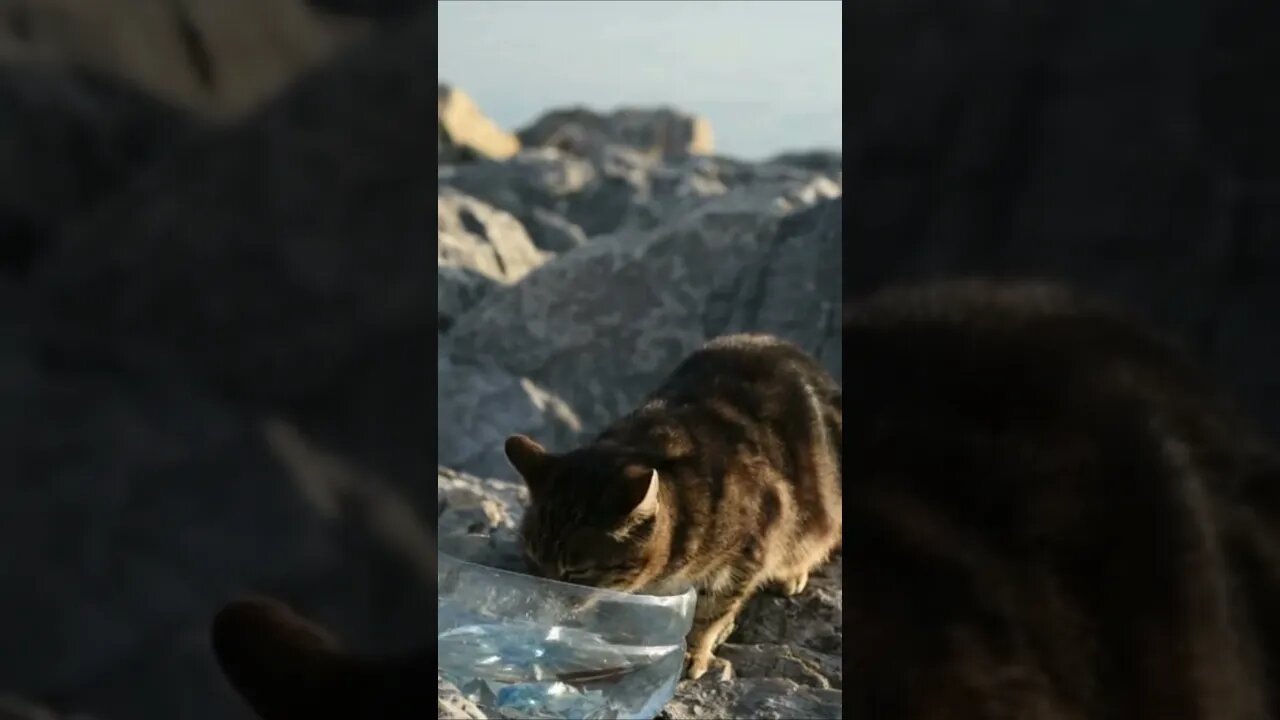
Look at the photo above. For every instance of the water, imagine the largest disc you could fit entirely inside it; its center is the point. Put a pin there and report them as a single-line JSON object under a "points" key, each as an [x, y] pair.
{"points": [[521, 670]]}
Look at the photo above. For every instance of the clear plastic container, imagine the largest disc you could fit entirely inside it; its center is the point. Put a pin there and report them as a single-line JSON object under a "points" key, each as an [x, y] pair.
{"points": [[525, 647]]}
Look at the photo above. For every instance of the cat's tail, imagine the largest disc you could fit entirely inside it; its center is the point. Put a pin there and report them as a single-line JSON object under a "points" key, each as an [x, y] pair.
{"points": [[287, 668]]}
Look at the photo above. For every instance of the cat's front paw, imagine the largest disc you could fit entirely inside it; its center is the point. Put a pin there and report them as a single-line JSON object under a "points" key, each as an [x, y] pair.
{"points": [[698, 664], [792, 586]]}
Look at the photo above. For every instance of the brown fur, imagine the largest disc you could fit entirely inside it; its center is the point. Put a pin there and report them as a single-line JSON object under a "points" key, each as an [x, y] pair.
{"points": [[1055, 518], [745, 439]]}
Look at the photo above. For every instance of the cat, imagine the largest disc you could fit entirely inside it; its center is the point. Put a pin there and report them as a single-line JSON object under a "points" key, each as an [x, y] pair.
{"points": [[1052, 516], [726, 478]]}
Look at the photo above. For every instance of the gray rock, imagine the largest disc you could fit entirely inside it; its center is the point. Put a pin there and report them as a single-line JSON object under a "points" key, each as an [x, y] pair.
{"points": [[477, 247], [451, 705], [271, 256], [465, 133], [66, 140], [793, 288], [663, 132], [553, 232], [601, 326], [480, 404]]}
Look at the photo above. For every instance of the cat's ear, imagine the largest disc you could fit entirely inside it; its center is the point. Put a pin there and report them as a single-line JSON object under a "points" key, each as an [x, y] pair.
{"points": [[641, 491], [528, 458]]}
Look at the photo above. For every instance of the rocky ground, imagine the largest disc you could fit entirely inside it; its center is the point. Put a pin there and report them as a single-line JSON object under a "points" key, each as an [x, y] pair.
{"points": [[572, 275]]}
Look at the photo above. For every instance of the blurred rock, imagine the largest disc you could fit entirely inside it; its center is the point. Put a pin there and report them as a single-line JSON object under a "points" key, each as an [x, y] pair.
{"points": [[216, 383], [662, 132], [464, 133], [219, 58], [451, 705], [381, 10], [283, 261], [66, 140], [477, 246], [480, 404], [793, 289]]}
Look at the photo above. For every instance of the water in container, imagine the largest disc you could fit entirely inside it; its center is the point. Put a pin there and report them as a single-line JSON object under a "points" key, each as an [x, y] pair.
{"points": [[521, 647]]}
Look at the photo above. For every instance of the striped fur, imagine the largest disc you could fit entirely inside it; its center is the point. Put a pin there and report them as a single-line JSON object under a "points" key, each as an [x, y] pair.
{"points": [[745, 439]]}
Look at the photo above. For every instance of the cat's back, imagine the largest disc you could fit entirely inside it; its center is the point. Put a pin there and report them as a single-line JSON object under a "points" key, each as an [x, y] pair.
{"points": [[750, 370]]}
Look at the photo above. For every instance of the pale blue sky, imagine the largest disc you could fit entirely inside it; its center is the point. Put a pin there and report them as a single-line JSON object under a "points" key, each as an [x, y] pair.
{"points": [[767, 74]]}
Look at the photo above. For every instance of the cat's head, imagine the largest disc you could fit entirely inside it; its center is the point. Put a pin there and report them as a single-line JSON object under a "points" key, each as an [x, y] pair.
{"points": [[594, 514]]}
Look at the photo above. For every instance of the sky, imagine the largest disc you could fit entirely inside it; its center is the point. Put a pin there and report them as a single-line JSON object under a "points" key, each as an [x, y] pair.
{"points": [[766, 74]]}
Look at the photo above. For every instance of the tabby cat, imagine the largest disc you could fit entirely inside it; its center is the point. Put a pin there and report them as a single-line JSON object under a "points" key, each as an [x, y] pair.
{"points": [[727, 478], [1051, 517]]}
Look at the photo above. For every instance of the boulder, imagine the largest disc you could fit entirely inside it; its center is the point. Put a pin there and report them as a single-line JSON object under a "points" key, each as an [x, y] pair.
{"points": [[787, 652], [282, 261], [601, 326], [477, 247], [217, 59], [661, 132], [464, 132], [479, 404], [67, 138], [134, 505], [792, 290]]}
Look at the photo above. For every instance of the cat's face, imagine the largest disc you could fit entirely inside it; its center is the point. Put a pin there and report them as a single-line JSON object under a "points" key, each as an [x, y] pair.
{"points": [[592, 518]]}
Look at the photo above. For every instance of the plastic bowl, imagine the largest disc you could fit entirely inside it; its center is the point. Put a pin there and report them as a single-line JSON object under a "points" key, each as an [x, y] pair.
{"points": [[524, 646], [495, 595]]}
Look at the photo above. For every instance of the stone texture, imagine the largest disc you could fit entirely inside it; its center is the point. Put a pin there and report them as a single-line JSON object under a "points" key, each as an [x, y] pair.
{"points": [[602, 325], [464, 132], [451, 705], [66, 139], [477, 247], [215, 382], [218, 59], [662, 132]]}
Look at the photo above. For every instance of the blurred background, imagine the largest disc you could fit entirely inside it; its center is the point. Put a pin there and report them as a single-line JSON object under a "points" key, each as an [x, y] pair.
{"points": [[1128, 147], [765, 75], [214, 338]]}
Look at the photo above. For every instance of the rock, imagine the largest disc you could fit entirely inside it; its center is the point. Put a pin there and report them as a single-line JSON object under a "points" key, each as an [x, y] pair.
{"points": [[451, 705], [662, 132], [465, 133], [478, 518], [553, 232], [823, 161], [786, 652], [66, 139], [477, 236], [219, 59], [480, 404], [137, 505], [213, 384], [793, 288], [477, 246], [770, 698], [381, 10], [603, 325], [312, 298]]}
